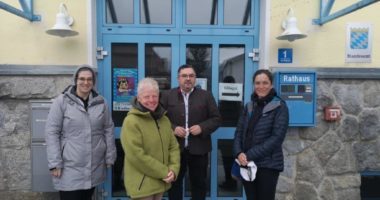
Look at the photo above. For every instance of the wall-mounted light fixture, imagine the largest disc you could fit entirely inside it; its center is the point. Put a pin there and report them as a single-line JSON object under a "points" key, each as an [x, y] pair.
{"points": [[291, 32], [62, 24]]}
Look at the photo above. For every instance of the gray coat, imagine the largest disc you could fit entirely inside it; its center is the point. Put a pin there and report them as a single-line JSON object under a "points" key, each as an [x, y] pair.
{"points": [[79, 142]]}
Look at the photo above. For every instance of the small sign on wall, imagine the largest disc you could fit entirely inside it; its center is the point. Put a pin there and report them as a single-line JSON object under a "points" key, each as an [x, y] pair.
{"points": [[359, 43], [285, 55], [201, 83], [230, 91]]}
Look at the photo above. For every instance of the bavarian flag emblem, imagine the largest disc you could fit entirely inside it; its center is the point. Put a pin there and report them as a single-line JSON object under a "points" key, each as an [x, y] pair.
{"points": [[359, 38]]}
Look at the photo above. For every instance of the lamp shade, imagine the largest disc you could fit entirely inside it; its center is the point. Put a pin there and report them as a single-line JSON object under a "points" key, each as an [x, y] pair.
{"points": [[291, 32], [62, 24]]}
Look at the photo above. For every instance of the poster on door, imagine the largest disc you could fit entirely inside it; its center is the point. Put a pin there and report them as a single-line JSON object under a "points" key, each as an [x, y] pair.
{"points": [[123, 88]]}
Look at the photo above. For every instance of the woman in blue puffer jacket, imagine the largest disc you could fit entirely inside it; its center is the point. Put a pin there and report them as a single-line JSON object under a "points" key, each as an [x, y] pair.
{"points": [[259, 136]]}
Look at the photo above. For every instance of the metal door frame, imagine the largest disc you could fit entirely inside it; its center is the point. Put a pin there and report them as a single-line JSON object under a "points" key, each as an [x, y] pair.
{"points": [[178, 37]]}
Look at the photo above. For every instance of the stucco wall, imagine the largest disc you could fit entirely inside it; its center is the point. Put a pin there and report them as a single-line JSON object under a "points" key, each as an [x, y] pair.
{"points": [[25, 42], [325, 45]]}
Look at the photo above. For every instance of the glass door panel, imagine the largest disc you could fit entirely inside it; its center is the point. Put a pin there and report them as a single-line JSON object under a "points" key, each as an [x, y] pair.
{"points": [[119, 11], [199, 56], [237, 12], [223, 68], [201, 12], [156, 12], [124, 64], [158, 64], [231, 83], [227, 186], [130, 59]]}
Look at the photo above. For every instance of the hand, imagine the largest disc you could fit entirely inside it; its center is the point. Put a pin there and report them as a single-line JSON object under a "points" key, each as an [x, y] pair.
{"points": [[243, 159], [180, 132], [56, 172], [195, 130], [170, 177]]}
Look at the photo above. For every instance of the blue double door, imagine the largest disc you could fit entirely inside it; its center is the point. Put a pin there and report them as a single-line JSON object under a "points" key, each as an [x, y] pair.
{"points": [[223, 67]]}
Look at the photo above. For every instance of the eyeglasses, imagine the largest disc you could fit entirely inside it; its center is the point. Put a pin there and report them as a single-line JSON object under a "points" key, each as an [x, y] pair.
{"points": [[187, 75], [82, 79], [262, 83]]}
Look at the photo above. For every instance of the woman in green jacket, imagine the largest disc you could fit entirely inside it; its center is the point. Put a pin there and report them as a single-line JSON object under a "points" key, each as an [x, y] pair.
{"points": [[151, 150]]}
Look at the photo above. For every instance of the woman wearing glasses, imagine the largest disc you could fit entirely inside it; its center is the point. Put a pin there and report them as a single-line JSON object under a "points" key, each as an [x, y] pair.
{"points": [[79, 137], [259, 136]]}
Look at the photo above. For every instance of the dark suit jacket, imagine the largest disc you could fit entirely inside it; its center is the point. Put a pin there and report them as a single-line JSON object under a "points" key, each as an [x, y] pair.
{"points": [[202, 111]]}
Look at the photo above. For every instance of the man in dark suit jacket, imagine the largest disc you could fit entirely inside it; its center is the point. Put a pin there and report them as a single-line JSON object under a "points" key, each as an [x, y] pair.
{"points": [[194, 117]]}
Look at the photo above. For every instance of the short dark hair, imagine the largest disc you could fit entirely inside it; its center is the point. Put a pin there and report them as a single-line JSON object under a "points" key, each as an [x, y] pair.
{"points": [[263, 71], [184, 67]]}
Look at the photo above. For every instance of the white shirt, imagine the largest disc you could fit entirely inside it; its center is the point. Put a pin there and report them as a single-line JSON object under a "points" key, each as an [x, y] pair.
{"points": [[186, 101]]}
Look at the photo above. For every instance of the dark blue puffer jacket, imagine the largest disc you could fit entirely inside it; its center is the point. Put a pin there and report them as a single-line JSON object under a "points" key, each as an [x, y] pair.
{"points": [[268, 135]]}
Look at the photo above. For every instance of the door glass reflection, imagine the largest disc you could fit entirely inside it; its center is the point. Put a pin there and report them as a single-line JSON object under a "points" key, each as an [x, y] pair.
{"points": [[118, 189], [227, 186], [199, 56], [208, 180], [201, 12], [124, 79], [237, 12], [158, 59], [156, 12], [119, 11], [231, 79]]}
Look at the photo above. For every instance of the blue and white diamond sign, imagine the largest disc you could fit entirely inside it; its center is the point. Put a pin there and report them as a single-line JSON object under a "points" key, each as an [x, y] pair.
{"points": [[359, 38], [359, 42]]}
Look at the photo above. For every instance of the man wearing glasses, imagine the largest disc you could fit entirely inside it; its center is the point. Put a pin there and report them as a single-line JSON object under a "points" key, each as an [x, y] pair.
{"points": [[194, 117]]}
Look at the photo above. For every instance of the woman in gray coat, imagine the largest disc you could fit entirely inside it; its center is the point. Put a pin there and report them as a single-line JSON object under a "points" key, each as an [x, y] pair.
{"points": [[79, 137]]}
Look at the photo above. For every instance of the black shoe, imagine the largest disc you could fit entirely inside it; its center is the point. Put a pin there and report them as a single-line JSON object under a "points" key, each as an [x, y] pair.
{"points": [[228, 185]]}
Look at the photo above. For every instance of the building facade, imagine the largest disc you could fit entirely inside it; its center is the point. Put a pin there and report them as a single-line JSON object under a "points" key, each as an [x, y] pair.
{"points": [[133, 39]]}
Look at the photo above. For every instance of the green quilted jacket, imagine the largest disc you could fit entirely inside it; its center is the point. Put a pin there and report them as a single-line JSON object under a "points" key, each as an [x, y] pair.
{"points": [[151, 150]]}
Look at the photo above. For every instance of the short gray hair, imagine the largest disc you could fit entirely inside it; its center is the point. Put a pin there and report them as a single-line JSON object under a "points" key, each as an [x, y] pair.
{"points": [[147, 83]]}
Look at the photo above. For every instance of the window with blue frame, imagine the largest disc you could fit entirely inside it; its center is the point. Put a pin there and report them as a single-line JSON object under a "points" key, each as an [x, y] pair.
{"points": [[119, 11], [196, 12], [155, 12]]}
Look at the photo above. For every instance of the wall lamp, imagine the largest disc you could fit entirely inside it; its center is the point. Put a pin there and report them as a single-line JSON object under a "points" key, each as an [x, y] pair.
{"points": [[291, 32], [62, 24]]}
